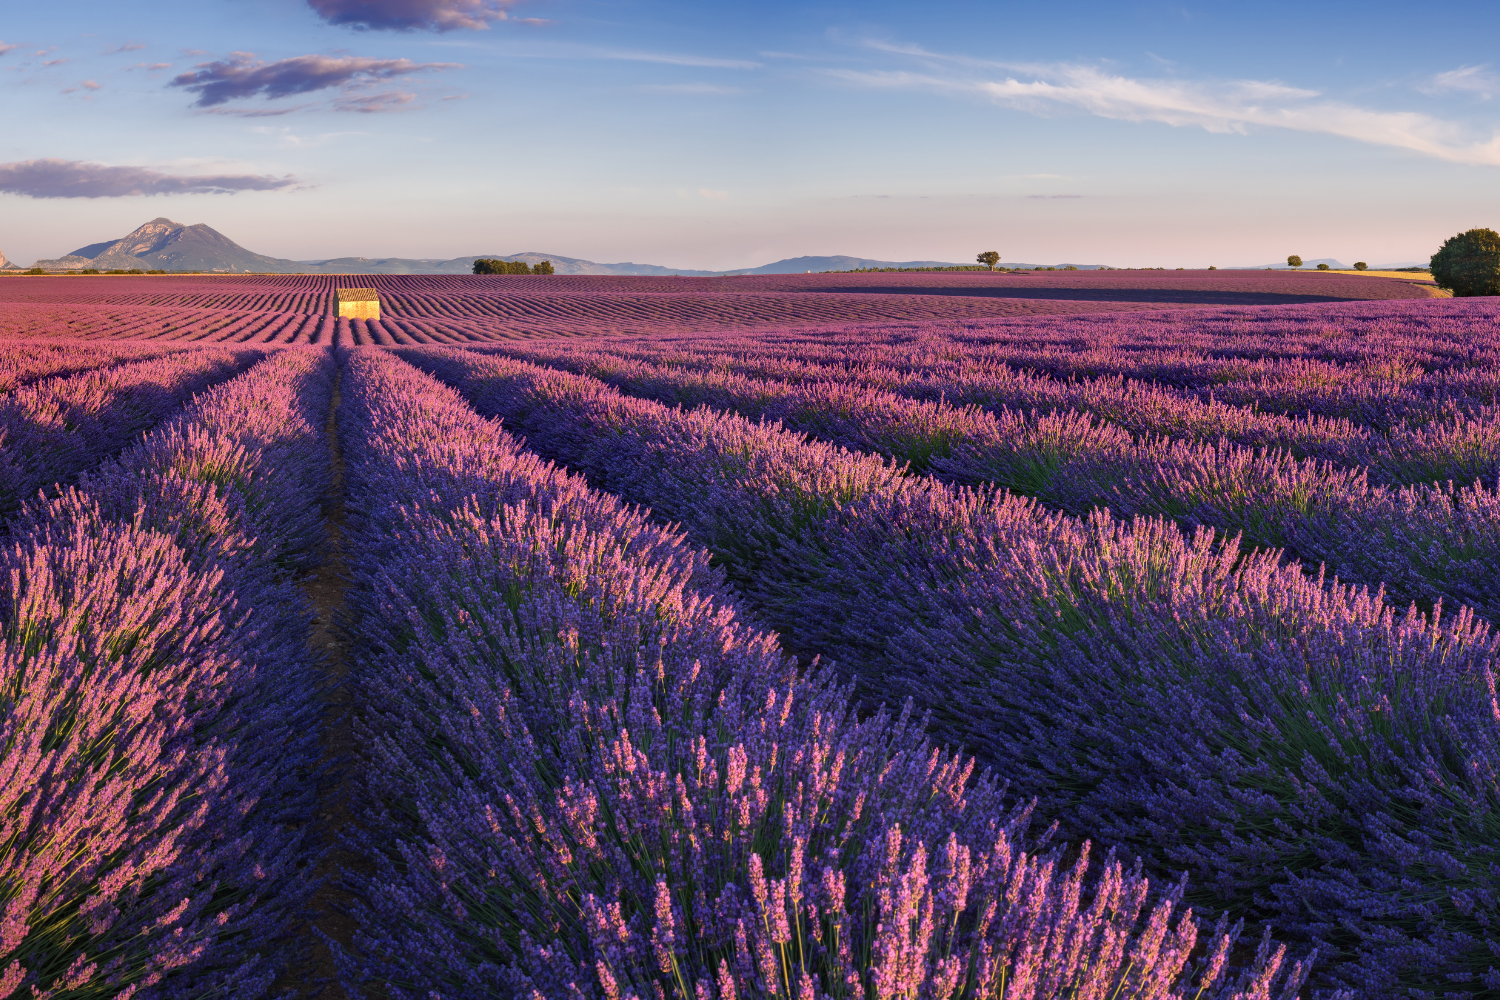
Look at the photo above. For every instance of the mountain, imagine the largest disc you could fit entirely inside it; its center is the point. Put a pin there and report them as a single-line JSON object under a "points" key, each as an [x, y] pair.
{"points": [[465, 265], [164, 245], [1307, 265], [797, 265]]}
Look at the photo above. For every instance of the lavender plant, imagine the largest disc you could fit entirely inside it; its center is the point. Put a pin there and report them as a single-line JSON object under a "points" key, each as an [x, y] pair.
{"points": [[53, 430], [159, 706], [589, 778], [1226, 674]]}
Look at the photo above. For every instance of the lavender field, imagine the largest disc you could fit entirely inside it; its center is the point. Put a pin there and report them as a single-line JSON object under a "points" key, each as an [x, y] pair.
{"points": [[1064, 636]]}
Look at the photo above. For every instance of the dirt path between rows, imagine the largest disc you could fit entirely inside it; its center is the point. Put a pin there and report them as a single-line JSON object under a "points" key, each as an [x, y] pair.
{"points": [[325, 589]]}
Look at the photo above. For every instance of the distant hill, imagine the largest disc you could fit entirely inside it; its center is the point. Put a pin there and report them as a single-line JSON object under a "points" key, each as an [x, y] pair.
{"points": [[465, 265], [1307, 265], [164, 245]]}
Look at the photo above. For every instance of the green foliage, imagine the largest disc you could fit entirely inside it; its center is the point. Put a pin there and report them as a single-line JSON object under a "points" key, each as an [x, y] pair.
{"points": [[36, 270], [89, 270], [1212, 267], [545, 267], [1360, 265], [1322, 267], [1294, 261], [989, 259], [1469, 263], [486, 265]]}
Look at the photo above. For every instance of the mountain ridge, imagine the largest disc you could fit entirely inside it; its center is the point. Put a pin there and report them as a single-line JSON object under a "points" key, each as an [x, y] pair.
{"points": [[163, 244]]}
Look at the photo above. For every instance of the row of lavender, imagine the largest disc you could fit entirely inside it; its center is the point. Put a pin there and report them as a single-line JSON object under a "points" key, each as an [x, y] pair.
{"points": [[1314, 759], [160, 704], [587, 775], [1365, 413], [1427, 541], [53, 429]]}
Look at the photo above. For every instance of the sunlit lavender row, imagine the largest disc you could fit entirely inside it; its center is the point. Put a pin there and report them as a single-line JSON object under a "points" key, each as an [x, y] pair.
{"points": [[1314, 757], [1132, 655]]}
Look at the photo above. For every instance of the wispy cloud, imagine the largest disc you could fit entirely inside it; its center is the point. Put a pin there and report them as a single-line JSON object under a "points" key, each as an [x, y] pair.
{"points": [[689, 88], [416, 15], [672, 59], [255, 112], [242, 75], [1217, 106], [1479, 80], [4, 48], [76, 179], [391, 100], [127, 47]]}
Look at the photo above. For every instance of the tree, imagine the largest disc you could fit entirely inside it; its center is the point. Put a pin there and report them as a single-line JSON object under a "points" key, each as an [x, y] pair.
{"points": [[545, 267], [36, 270], [1469, 263], [1360, 265], [1322, 267], [1294, 261], [486, 265], [989, 259]]}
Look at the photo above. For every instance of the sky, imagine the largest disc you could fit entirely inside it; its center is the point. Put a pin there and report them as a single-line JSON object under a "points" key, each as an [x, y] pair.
{"points": [[716, 135]]}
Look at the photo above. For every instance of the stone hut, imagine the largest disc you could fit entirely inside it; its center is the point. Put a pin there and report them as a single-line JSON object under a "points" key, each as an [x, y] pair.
{"points": [[357, 303]]}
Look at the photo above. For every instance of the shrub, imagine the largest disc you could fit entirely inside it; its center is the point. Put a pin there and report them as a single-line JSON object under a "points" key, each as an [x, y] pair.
{"points": [[36, 270], [1212, 268], [1469, 263]]}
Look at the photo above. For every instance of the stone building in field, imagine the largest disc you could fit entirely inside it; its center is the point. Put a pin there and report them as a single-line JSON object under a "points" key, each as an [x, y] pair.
{"points": [[357, 303]]}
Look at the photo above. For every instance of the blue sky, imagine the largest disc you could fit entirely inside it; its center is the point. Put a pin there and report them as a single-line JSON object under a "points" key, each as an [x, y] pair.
{"points": [[720, 136]]}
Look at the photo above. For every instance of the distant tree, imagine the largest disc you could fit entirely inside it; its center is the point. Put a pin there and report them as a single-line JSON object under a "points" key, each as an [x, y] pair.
{"points": [[1322, 267], [1294, 261], [1360, 265], [989, 259], [545, 267], [1212, 267], [89, 270], [1469, 263], [36, 270]]}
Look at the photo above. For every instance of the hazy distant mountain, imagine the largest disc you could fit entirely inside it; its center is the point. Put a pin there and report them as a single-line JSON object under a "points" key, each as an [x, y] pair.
{"points": [[797, 265], [1307, 265], [465, 265], [164, 245]]}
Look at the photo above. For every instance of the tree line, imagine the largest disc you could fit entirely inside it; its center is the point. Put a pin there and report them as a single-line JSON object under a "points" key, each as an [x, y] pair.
{"points": [[487, 265]]}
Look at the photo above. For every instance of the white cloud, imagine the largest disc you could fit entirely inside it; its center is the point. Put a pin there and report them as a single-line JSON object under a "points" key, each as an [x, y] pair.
{"points": [[1474, 79], [1218, 106]]}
